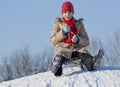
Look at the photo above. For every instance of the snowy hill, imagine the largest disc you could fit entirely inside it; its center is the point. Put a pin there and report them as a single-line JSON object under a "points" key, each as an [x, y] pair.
{"points": [[72, 77]]}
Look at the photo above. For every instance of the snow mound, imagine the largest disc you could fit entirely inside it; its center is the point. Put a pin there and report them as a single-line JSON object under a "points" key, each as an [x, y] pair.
{"points": [[72, 77]]}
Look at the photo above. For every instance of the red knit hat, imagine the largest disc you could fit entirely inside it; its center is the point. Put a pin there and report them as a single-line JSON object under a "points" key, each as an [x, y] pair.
{"points": [[67, 6]]}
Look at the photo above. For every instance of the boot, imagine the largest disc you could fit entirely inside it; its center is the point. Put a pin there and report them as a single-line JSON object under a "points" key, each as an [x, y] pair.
{"points": [[57, 65], [97, 59]]}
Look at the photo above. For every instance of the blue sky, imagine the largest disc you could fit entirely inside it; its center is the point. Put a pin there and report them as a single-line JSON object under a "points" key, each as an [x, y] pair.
{"points": [[28, 23]]}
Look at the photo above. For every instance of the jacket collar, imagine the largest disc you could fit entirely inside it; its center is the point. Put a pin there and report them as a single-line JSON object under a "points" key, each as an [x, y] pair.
{"points": [[74, 20]]}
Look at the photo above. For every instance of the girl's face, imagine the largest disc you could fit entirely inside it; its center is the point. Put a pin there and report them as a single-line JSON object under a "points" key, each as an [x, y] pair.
{"points": [[67, 15]]}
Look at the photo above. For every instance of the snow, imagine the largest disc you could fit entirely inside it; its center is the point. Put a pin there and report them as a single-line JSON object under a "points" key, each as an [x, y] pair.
{"points": [[72, 77]]}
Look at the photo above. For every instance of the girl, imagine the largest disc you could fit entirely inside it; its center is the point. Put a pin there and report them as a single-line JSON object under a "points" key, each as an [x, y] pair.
{"points": [[70, 39]]}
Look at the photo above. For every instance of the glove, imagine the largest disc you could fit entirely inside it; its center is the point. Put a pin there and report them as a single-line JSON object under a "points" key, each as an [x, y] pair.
{"points": [[75, 39], [66, 29]]}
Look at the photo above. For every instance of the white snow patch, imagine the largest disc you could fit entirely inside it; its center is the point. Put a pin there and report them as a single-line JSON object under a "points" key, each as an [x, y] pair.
{"points": [[72, 77]]}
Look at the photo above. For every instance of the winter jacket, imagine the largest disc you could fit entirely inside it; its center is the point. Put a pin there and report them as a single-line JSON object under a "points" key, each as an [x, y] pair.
{"points": [[57, 36]]}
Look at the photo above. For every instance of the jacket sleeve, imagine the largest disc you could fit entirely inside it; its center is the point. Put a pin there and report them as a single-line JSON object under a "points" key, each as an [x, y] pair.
{"points": [[56, 35], [83, 36]]}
